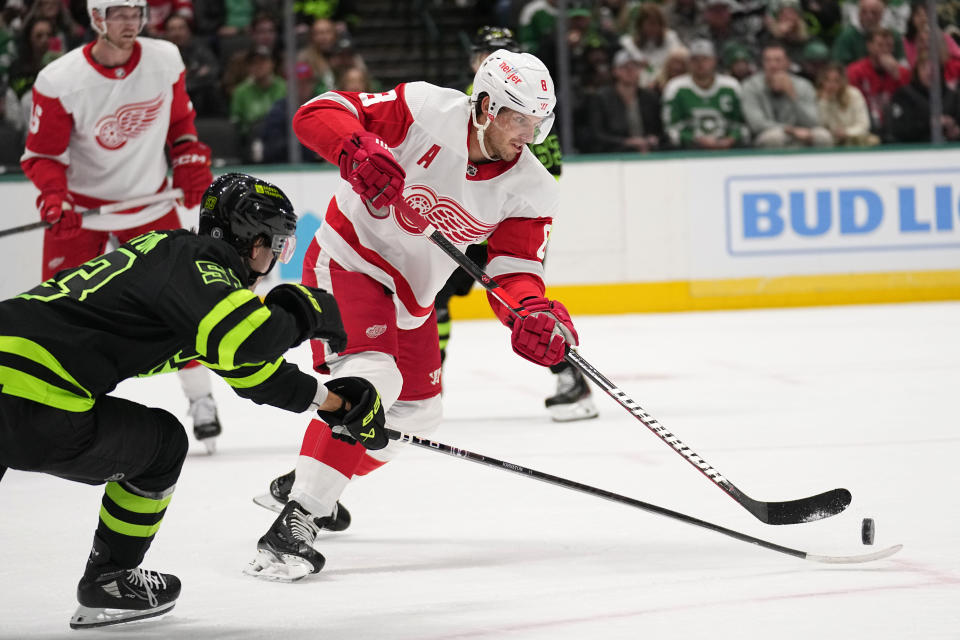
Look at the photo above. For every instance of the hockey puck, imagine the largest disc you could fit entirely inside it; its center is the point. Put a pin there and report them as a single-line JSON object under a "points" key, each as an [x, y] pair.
{"points": [[867, 531]]}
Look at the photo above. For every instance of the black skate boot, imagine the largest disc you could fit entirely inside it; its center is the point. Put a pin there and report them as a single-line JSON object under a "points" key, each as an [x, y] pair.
{"points": [[110, 595], [280, 493], [206, 423], [572, 400], [285, 552]]}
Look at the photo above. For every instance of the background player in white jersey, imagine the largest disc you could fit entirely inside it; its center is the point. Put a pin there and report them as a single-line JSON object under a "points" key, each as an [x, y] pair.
{"points": [[463, 162], [102, 116]]}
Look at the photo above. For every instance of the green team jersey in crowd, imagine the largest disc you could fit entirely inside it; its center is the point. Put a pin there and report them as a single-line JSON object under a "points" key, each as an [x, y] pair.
{"points": [[690, 112], [153, 305]]}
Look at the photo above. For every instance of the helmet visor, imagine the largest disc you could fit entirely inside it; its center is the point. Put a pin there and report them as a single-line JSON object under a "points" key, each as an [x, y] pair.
{"points": [[284, 247], [542, 130]]}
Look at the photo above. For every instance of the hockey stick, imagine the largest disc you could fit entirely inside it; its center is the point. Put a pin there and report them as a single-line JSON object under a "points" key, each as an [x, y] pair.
{"points": [[632, 502], [816, 507], [142, 201]]}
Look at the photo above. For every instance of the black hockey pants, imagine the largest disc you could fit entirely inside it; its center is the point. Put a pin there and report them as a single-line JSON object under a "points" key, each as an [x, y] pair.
{"points": [[137, 451]]}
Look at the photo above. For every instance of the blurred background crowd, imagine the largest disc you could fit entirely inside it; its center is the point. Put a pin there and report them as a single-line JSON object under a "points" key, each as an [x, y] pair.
{"points": [[641, 76]]}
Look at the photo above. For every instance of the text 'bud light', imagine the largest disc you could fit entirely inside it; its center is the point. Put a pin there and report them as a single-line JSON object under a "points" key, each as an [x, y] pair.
{"points": [[911, 209]]}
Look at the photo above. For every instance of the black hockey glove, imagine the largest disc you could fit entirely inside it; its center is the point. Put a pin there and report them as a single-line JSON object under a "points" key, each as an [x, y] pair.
{"points": [[365, 421], [316, 312]]}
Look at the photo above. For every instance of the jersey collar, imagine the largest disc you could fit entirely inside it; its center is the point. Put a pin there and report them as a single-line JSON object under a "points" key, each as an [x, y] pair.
{"points": [[114, 73], [487, 170]]}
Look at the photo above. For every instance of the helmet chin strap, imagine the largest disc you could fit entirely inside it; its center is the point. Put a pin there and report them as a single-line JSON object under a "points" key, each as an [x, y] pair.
{"points": [[481, 129], [254, 275]]}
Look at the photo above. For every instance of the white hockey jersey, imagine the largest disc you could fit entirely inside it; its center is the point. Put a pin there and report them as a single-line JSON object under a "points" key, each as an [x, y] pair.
{"points": [[108, 125], [511, 204]]}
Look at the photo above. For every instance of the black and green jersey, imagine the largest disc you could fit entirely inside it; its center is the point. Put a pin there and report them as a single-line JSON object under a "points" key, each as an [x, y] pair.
{"points": [[153, 305], [690, 112], [550, 154]]}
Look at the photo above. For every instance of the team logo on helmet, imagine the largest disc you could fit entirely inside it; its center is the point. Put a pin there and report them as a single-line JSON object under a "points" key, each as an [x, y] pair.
{"points": [[445, 214], [129, 121]]}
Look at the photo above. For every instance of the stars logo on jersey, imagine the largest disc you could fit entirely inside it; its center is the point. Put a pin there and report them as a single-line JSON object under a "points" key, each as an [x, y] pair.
{"points": [[129, 121], [445, 214]]}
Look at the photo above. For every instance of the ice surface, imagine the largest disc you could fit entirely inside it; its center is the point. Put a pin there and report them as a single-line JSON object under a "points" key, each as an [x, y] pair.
{"points": [[784, 403]]}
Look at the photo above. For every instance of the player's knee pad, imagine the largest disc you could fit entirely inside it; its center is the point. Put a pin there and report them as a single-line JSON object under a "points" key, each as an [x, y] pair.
{"points": [[164, 469], [379, 368], [417, 417]]}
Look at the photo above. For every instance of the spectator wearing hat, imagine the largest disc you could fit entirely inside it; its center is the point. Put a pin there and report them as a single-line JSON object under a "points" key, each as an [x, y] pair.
{"points": [[813, 60], [202, 75], [254, 96], [701, 109], [784, 23], [738, 63], [878, 75], [910, 107], [650, 41], [851, 44], [781, 108], [263, 34], [842, 109], [624, 117], [345, 57], [723, 30]]}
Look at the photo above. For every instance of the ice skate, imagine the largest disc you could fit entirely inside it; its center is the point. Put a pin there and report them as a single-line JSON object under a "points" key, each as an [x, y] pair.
{"points": [[109, 595], [285, 552], [280, 493], [572, 399], [206, 423]]}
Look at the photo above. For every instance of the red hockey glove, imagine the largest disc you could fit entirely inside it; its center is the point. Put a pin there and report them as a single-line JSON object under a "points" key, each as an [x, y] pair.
{"points": [[56, 209], [542, 336], [367, 164], [191, 170]]}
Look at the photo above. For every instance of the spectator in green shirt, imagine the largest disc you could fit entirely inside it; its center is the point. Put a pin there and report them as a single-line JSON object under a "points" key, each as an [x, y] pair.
{"points": [[254, 96], [851, 44]]}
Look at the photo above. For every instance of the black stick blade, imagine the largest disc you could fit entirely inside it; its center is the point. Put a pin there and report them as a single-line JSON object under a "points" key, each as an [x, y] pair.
{"points": [[810, 509]]}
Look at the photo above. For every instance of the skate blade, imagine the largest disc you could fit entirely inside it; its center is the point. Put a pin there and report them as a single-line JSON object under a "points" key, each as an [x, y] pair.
{"points": [[92, 617], [267, 566], [267, 501], [580, 410]]}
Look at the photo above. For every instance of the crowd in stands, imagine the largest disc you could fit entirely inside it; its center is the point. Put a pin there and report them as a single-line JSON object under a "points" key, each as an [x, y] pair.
{"points": [[645, 76], [719, 74]]}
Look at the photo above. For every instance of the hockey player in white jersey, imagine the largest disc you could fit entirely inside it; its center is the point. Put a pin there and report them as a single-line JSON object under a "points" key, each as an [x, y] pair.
{"points": [[463, 163], [102, 116]]}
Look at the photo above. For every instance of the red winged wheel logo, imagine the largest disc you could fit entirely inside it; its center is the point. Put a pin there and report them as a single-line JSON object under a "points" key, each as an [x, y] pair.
{"points": [[445, 214], [113, 131]]}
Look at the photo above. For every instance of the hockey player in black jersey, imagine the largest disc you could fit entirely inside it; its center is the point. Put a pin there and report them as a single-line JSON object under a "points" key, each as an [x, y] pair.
{"points": [[157, 302]]}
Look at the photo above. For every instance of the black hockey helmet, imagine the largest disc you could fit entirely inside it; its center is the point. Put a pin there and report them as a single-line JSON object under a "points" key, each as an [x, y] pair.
{"points": [[490, 38], [239, 209]]}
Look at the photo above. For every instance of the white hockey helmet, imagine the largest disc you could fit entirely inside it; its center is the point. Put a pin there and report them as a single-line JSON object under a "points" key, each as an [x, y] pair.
{"points": [[101, 6], [518, 81]]}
